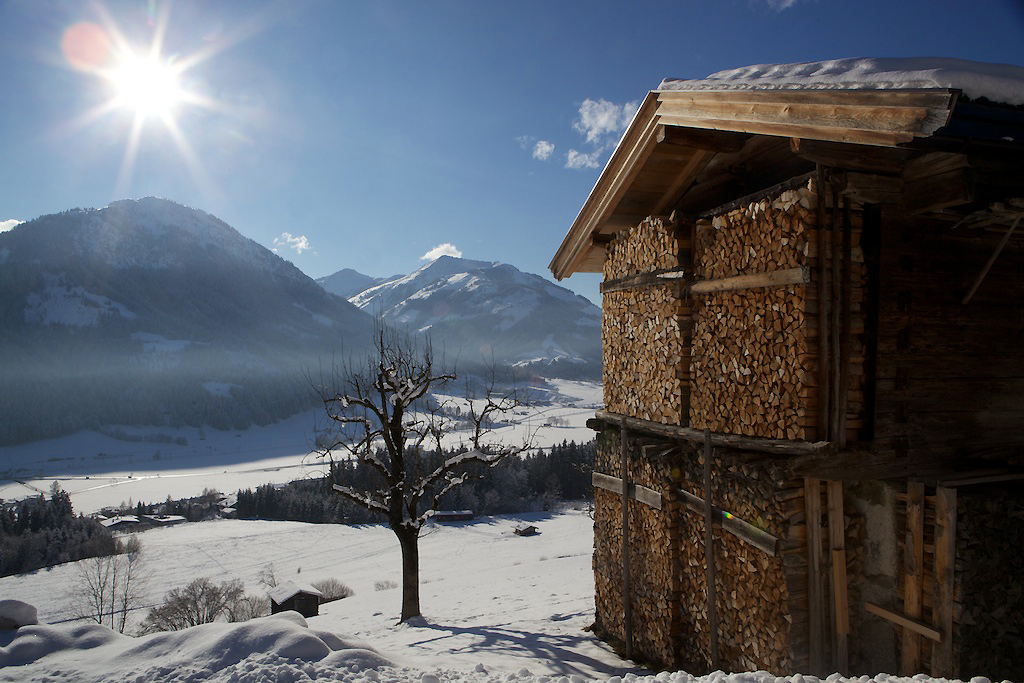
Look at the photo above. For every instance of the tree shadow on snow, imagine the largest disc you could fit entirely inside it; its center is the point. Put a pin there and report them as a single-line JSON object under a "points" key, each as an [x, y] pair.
{"points": [[560, 652]]}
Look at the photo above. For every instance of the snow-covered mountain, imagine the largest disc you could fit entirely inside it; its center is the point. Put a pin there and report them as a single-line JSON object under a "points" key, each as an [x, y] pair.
{"points": [[347, 282], [147, 310], [473, 309]]}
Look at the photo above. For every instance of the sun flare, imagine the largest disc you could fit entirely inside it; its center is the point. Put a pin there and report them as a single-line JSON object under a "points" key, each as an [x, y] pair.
{"points": [[147, 86]]}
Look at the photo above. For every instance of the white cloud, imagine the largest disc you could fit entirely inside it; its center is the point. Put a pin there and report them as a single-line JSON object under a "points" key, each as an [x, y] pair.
{"points": [[576, 159], [8, 224], [446, 249], [779, 5], [543, 149], [299, 243], [600, 120]]}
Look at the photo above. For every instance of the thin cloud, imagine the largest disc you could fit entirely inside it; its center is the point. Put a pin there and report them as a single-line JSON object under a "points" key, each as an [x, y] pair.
{"points": [[576, 159], [543, 150], [600, 120], [299, 243], [446, 249], [8, 224], [780, 5]]}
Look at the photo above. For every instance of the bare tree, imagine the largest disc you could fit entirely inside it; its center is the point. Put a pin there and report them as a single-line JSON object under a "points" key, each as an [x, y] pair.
{"points": [[202, 602], [111, 586], [386, 415]]}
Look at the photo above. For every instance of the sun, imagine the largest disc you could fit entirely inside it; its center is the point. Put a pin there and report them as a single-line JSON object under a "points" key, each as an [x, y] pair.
{"points": [[147, 86]]}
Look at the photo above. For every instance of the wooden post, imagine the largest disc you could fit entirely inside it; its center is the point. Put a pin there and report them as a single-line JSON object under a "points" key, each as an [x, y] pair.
{"points": [[709, 553], [627, 602], [913, 578], [846, 306], [945, 570], [823, 294], [815, 620], [835, 334], [840, 594]]}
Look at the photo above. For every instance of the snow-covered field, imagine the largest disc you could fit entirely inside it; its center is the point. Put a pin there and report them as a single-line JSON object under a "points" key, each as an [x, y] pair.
{"points": [[499, 608], [100, 471]]}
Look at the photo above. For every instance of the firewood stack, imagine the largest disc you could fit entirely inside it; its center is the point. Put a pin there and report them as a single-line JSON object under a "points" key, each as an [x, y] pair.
{"points": [[646, 358], [751, 360]]}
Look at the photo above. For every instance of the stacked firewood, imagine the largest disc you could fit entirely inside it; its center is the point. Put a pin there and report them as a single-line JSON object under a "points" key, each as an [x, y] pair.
{"points": [[644, 248], [750, 359], [644, 329]]}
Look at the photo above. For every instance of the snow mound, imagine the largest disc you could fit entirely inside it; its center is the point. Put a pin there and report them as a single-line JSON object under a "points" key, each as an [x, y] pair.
{"points": [[280, 647], [996, 82], [15, 614]]}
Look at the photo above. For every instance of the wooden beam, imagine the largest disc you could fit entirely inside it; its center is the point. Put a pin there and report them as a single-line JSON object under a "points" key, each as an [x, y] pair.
{"points": [[992, 259], [701, 138], [907, 623], [941, 191], [683, 180], [852, 157], [913, 578], [746, 532], [657, 277], [691, 435], [642, 494], [815, 613], [840, 589], [709, 554], [775, 278], [788, 130], [943, 663]]}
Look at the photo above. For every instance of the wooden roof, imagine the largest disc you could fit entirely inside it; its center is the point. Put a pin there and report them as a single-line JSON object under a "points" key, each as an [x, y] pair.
{"points": [[676, 136]]}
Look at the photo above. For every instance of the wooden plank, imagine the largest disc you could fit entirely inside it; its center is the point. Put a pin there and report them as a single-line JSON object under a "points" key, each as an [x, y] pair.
{"points": [[944, 571], [663, 276], [642, 494], [789, 130], [691, 435], [836, 113], [930, 98], [746, 532], [815, 620], [823, 301], [907, 623], [775, 278], [840, 589], [913, 578], [699, 138], [709, 554]]}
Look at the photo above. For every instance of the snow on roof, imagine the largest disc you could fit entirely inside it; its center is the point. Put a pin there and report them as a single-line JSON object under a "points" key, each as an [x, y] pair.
{"points": [[123, 519], [289, 589], [996, 82]]}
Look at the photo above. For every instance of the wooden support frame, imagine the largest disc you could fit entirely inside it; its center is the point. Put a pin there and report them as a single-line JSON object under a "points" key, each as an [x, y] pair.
{"points": [[777, 278], [641, 494], [815, 611], [840, 589], [943, 663], [746, 532], [653, 279], [627, 602], [709, 554], [913, 625], [696, 436], [913, 580]]}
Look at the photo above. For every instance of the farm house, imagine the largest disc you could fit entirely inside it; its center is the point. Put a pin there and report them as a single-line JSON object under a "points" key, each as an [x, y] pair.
{"points": [[813, 307]]}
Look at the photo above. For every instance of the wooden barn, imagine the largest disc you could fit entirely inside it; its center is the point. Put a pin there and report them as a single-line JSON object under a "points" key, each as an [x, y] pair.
{"points": [[813, 329]]}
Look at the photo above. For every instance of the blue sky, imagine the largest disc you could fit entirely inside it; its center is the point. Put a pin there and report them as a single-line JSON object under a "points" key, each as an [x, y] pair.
{"points": [[367, 134]]}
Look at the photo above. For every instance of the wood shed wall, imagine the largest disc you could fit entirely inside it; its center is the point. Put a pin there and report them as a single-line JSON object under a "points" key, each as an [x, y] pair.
{"points": [[731, 342], [950, 374], [645, 329]]}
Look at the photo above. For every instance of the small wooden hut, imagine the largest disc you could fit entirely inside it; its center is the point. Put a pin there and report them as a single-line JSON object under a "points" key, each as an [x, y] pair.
{"points": [[298, 597], [812, 444]]}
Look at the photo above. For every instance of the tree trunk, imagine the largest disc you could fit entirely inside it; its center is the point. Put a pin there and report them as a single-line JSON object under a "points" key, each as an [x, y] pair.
{"points": [[409, 540]]}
